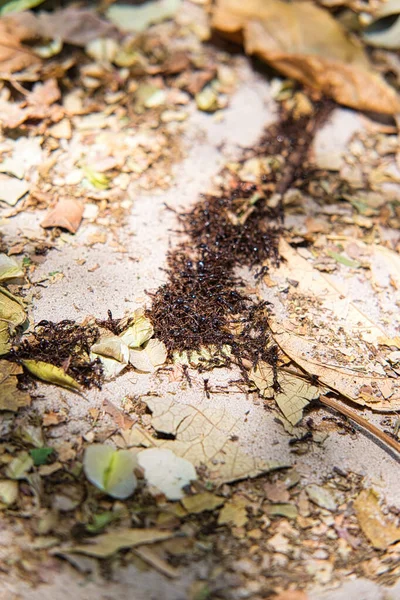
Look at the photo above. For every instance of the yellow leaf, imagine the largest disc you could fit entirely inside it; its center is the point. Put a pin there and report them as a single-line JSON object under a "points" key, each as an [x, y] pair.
{"points": [[50, 373], [11, 398]]}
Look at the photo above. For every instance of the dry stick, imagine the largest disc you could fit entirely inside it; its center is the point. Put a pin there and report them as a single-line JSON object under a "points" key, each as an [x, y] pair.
{"points": [[347, 412], [386, 439]]}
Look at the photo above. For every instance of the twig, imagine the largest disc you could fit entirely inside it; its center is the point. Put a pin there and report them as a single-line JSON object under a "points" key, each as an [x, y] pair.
{"points": [[386, 439]]}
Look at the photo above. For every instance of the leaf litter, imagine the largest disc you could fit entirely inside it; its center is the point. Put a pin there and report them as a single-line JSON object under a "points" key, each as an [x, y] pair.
{"points": [[206, 313]]}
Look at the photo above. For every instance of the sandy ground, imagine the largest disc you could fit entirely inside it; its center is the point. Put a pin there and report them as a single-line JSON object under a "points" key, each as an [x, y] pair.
{"points": [[119, 285]]}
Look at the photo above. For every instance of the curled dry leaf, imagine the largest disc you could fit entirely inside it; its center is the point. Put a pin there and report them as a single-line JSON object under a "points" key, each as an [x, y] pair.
{"points": [[13, 55], [11, 398], [113, 354], [67, 214], [50, 373], [376, 526], [166, 471], [328, 334], [384, 32], [295, 395], [12, 189], [138, 333], [305, 42]]}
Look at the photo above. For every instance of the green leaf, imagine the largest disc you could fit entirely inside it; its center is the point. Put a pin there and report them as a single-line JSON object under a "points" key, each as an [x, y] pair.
{"points": [[15, 6], [347, 262], [40, 455], [50, 373], [100, 521], [110, 470]]}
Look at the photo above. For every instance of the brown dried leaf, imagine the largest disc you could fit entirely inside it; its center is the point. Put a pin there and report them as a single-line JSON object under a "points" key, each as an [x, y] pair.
{"points": [[109, 543], [320, 327], [67, 214], [375, 525], [13, 55], [11, 398], [234, 512], [305, 42]]}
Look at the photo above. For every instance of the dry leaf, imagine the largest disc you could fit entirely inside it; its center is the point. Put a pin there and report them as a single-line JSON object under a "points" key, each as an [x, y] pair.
{"points": [[12, 189], [321, 497], [376, 526], [203, 437], [202, 502], [12, 315], [305, 42], [13, 55], [8, 492], [138, 18], [9, 268], [384, 31], [11, 398], [148, 555], [107, 544], [113, 354], [50, 373], [234, 512], [152, 355], [72, 25], [328, 334], [295, 395], [166, 471], [67, 214], [110, 470]]}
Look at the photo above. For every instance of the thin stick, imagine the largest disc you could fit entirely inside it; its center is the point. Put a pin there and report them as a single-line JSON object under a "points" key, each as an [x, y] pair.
{"points": [[386, 439]]}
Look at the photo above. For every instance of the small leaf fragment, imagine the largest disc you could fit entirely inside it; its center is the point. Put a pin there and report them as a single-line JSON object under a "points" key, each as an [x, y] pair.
{"points": [[234, 512], [321, 497], [202, 502], [113, 354], [166, 471], [50, 373], [110, 470], [8, 492], [19, 466], [152, 355]]}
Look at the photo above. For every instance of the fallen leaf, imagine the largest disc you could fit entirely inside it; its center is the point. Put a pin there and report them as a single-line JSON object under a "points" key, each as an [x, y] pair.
{"points": [[40, 455], [234, 512], [295, 395], [12, 189], [384, 30], [202, 502], [376, 526], [67, 214], [61, 130], [321, 497], [153, 354], [149, 556], [307, 43], [203, 436], [13, 55], [74, 26], [327, 333], [8, 492], [9, 268], [113, 354], [108, 544], [166, 471], [110, 470], [12, 315], [19, 466], [43, 95], [50, 373], [138, 18], [282, 510], [138, 333]]}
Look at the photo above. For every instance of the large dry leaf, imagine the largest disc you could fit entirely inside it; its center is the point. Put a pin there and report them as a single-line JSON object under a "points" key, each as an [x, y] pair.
{"points": [[11, 398], [305, 42], [203, 436], [109, 543], [12, 315], [71, 25], [375, 525], [321, 328]]}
